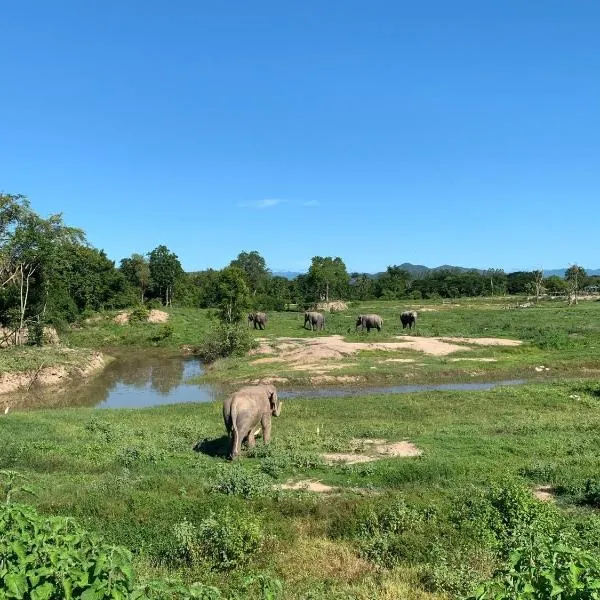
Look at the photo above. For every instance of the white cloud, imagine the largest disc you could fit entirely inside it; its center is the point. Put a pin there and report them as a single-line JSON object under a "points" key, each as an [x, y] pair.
{"points": [[265, 203], [311, 203]]}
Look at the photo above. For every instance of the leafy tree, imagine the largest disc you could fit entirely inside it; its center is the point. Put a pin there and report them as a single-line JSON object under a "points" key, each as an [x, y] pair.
{"points": [[555, 284], [327, 277], [519, 282], [233, 295], [165, 270], [255, 270], [207, 284], [575, 276], [393, 283], [137, 271]]}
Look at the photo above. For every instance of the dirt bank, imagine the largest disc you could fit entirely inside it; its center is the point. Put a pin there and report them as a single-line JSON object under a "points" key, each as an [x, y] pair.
{"points": [[50, 375]]}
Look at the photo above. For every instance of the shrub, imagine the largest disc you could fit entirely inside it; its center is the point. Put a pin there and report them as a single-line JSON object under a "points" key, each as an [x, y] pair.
{"points": [[153, 303], [139, 314], [237, 481], [225, 340], [52, 557], [225, 540], [163, 332], [380, 531], [546, 570]]}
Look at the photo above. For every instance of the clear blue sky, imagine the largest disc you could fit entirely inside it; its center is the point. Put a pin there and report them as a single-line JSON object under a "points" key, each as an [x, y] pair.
{"points": [[461, 132]]}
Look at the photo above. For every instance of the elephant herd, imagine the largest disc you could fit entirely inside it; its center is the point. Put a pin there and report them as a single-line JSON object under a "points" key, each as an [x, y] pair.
{"points": [[249, 410], [316, 320]]}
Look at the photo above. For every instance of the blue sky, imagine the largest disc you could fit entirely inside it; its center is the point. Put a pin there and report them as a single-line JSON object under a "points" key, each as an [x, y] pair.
{"points": [[432, 132]]}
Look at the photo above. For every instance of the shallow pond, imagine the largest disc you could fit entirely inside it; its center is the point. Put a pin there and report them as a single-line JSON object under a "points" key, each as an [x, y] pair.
{"points": [[140, 380]]}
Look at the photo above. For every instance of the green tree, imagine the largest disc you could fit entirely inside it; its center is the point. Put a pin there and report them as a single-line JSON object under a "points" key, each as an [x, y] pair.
{"points": [[328, 277], [165, 270], [136, 270], [233, 295], [393, 283], [575, 276], [255, 270]]}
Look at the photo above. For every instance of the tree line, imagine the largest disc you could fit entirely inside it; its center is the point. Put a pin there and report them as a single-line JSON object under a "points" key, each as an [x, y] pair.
{"points": [[50, 273]]}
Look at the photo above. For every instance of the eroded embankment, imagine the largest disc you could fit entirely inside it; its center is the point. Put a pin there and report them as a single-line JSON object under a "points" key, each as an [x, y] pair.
{"points": [[51, 374]]}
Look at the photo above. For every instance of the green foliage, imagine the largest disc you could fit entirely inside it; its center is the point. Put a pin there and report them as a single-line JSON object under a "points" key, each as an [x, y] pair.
{"points": [[238, 481], [165, 270], [35, 333], [327, 278], [53, 558], [223, 340], [164, 332], [137, 272], [139, 314], [223, 540], [550, 569], [233, 297], [254, 267]]}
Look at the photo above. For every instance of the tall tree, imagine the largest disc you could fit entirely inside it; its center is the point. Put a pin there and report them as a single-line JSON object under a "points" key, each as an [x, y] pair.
{"points": [[165, 269], [328, 277], [137, 271], [233, 296], [255, 270], [575, 276]]}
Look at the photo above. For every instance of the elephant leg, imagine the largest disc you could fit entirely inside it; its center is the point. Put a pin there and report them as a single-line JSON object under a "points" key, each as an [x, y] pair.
{"points": [[266, 427], [251, 440]]}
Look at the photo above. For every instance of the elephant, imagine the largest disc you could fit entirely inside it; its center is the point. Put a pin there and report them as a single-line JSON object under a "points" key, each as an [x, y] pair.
{"points": [[408, 319], [315, 319], [370, 322], [259, 319], [246, 411]]}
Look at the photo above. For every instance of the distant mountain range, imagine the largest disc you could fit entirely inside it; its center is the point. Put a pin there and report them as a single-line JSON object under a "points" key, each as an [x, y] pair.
{"points": [[422, 270]]}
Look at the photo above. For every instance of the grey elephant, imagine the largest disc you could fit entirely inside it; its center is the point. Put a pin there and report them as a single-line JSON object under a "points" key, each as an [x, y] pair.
{"points": [[369, 322], [246, 411], [408, 319], [315, 319], [259, 319]]}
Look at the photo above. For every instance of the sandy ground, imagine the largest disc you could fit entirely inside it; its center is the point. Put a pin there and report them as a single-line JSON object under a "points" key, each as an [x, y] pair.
{"points": [[372, 450], [309, 485], [300, 352], [154, 316]]}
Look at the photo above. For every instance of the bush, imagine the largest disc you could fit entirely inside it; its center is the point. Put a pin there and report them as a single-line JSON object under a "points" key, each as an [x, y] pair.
{"points": [[546, 570], [224, 541], [225, 340], [381, 531], [35, 331], [237, 481], [139, 314], [163, 332], [153, 303], [52, 557]]}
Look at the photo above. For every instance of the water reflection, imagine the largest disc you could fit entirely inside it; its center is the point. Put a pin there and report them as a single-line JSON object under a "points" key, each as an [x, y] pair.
{"points": [[133, 381]]}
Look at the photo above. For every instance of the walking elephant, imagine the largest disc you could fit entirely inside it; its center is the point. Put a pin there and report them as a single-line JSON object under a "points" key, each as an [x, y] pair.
{"points": [[246, 411], [369, 322], [259, 319], [408, 319], [315, 319]]}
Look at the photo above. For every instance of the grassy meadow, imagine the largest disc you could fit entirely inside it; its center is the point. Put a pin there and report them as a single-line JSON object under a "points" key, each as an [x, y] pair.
{"points": [[565, 340], [398, 527], [424, 527]]}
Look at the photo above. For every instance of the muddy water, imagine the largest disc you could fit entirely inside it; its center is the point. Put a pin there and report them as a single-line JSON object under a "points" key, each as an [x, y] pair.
{"points": [[139, 380], [136, 380]]}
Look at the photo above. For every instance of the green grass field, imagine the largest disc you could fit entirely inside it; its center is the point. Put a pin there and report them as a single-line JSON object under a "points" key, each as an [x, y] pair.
{"points": [[565, 340], [134, 476]]}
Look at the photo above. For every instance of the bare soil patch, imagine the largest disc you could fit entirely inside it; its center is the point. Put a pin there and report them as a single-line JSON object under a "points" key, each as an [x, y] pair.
{"points": [[299, 352], [336, 306], [397, 360], [373, 450], [545, 493], [485, 341], [309, 485], [154, 316], [488, 360]]}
